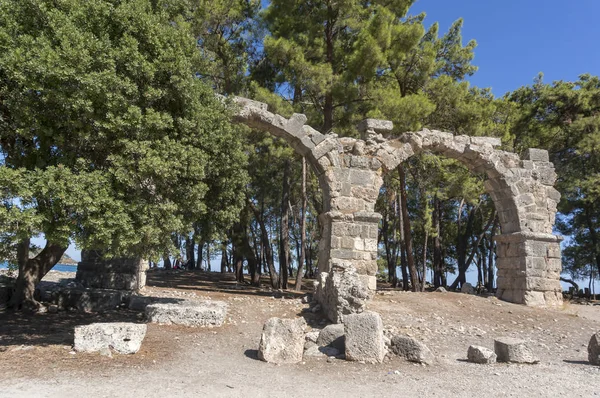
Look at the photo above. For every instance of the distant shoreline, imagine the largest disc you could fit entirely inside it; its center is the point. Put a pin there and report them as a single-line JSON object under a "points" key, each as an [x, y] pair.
{"points": [[57, 268]]}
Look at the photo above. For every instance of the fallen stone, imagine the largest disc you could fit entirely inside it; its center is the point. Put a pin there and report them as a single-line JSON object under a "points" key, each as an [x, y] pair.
{"points": [[441, 290], [312, 336], [332, 335], [411, 349], [477, 354], [316, 351], [513, 350], [282, 340], [467, 288], [188, 313], [364, 337], [139, 303], [52, 308], [594, 349], [123, 337]]}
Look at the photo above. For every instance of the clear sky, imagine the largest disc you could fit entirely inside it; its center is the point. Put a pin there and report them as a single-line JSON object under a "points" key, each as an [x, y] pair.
{"points": [[517, 39]]}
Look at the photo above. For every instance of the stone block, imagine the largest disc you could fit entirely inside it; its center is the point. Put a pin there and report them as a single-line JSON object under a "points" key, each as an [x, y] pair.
{"points": [[124, 338], [594, 349], [332, 335], [513, 350], [467, 288], [188, 313], [411, 349], [377, 125], [282, 340], [364, 337], [536, 155], [482, 355], [493, 141], [245, 102]]}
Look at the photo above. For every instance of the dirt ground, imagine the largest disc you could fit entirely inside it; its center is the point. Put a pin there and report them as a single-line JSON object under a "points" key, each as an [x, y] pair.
{"points": [[36, 357]]}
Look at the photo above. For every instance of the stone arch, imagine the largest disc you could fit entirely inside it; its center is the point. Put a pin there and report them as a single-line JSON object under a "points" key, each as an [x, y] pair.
{"points": [[523, 193], [350, 172]]}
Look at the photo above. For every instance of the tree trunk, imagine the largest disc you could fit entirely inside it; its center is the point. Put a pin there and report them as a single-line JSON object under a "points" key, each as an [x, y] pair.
{"points": [[425, 260], [167, 261], [414, 278], [490, 277], [284, 232], [200, 255], [31, 272], [438, 262], [223, 257], [190, 245], [268, 250], [463, 265], [302, 258]]}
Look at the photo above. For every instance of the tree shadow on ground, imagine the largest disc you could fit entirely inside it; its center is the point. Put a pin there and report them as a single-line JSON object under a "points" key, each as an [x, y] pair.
{"points": [[52, 329], [216, 282]]}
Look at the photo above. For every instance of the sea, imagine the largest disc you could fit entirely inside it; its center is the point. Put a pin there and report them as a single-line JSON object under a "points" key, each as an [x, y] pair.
{"points": [[57, 267]]}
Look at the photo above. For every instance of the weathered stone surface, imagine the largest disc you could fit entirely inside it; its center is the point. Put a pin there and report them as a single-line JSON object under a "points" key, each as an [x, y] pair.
{"points": [[467, 288], [125, 338], [441, 290], [342, 293], [377, 125], [513, 350], [282, 340], [188, 313], [411, 349], [536, 155], [332, 335], [594, 349], [364, 337], [317, 351], [483, 355]]}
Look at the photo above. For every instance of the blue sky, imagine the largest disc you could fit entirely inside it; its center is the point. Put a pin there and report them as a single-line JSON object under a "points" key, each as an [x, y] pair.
{"points": [[517, 39]]}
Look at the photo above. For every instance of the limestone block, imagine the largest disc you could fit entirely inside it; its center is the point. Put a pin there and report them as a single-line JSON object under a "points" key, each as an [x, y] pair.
{"points": [[594, 349], [188, 313], [534, 299], [493, 141], [513, 350], [364, 337], [536, 155], [467, 288], [316, 351], [411, 349], [482, 355], [282, 340], [123, 337], [377, 125], [332, 335]]}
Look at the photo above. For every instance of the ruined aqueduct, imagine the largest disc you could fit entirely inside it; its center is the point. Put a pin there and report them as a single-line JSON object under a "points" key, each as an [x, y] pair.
{"points": [[350, 174]]}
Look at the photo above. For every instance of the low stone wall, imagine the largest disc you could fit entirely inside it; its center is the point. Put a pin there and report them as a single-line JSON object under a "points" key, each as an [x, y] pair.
{"points": [[117, 273]]}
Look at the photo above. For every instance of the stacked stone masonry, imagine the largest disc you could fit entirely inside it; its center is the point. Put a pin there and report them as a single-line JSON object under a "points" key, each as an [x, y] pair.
{"points": [[350, 173], [94, 271]]}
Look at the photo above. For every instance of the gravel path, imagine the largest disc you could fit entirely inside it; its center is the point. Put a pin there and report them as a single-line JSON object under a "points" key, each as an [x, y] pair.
{"points": [[183, 362]]}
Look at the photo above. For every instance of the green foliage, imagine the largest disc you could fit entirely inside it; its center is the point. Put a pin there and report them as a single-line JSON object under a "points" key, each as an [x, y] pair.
{"points": [[109, 138]]}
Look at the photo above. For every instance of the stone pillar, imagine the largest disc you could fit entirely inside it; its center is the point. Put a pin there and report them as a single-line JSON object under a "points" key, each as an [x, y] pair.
{"points": [[348, 246], [529, 266], [529, 257], [118, 273]]}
